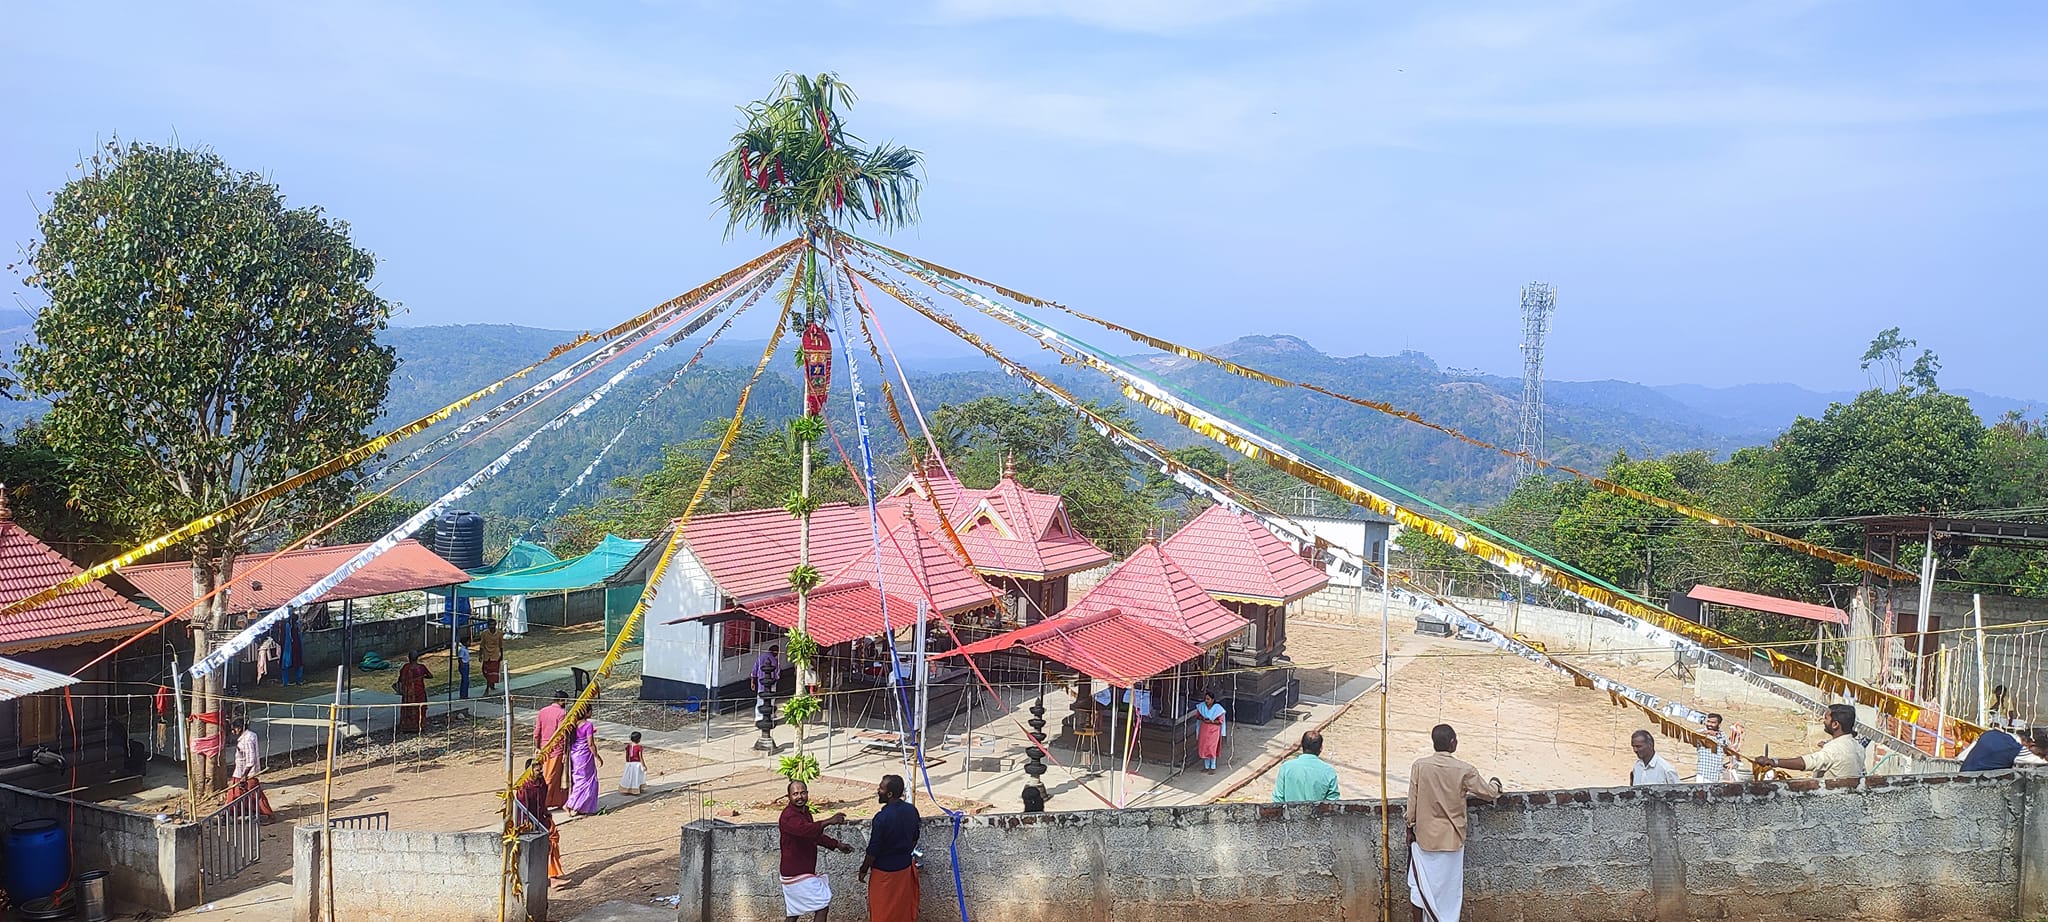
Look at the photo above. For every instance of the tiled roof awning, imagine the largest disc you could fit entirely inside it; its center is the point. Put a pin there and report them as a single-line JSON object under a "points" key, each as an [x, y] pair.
{"points": [[1771, 604], [1108, 645]]}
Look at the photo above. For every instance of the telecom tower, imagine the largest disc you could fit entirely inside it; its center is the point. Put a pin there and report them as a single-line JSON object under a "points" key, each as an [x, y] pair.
{"points": [[1539, 300]]}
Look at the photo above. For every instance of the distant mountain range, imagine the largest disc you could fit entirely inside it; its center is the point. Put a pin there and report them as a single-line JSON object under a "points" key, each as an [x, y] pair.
{"points": [[1586, 421]]}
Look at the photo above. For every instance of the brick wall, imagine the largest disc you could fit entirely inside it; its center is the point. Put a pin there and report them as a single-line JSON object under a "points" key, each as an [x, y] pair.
{"points": [[149, 864], [1915, 847], [418, 876]]}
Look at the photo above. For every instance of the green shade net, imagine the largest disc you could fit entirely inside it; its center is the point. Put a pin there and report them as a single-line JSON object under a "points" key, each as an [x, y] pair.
{"points": [[618, 606], [609, 557], [522, 555]]}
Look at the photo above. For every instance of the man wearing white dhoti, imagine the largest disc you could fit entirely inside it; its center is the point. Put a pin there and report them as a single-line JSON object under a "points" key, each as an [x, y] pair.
{"points": [[803, 888], [1437, 788]]}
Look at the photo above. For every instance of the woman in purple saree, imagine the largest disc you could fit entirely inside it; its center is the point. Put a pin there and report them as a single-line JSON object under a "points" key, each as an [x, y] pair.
{"points": [[583, 763]]}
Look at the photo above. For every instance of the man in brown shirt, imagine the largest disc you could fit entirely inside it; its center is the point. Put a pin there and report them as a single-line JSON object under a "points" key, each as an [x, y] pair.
{"points": [[1437, 788], [490, 647]]}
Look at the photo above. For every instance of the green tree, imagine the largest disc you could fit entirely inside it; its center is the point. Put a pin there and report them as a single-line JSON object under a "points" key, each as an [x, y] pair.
{"points": [[38, 480], [200, 341]]}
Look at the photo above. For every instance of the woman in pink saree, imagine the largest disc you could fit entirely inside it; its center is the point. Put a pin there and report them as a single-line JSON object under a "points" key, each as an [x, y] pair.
{"points": [[583, 763], [1209, 735]]}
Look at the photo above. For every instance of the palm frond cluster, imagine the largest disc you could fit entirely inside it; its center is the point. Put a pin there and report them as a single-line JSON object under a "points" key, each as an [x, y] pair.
{"points": [[794, 167]]}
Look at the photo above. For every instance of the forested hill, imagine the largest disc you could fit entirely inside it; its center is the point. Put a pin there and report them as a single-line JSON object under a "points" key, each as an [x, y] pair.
{"points": [[443, 362]]}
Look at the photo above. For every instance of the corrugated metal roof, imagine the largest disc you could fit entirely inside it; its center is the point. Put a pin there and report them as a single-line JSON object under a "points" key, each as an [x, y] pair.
{"points": [[837, 614], [1150, 586], [18, 679], [407, 567], [1109, 645], [1766, 603], [90, 612], [1232, 556]]}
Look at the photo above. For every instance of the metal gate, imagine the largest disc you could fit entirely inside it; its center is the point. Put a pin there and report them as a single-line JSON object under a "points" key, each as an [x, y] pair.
{"points": [[229, 838]]}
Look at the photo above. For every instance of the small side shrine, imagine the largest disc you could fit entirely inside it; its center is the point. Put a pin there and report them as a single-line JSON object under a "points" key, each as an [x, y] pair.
{"points": [[1153, 637], [1254, 573]]}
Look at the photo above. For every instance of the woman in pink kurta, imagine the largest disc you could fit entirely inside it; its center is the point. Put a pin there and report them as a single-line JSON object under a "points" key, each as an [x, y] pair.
{"points": [[1209, 736]]}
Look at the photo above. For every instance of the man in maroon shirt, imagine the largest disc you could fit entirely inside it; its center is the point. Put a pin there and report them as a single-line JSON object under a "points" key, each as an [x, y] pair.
{"points": [[803, 888]]}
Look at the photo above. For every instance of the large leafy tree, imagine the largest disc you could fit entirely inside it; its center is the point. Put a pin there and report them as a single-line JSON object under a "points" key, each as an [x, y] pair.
{"points": [[793, 166], [201, 340]]}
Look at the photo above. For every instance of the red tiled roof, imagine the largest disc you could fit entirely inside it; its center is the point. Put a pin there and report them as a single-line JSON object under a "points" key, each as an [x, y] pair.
{"points": [[1150, 586], [837, 614], [406, 567], [749, 555], [1110, 645], [1026, 533], [90, 612], [1232, 556], [1765, 603], [951, 493]]}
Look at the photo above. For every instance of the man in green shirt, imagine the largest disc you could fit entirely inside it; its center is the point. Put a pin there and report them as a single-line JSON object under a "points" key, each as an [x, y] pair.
{"points": [[1307, 777]]}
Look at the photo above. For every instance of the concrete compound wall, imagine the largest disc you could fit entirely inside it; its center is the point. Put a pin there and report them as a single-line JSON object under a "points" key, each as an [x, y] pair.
{"points": [[390, 638], [1917, 847], [418, 876], [151, 865]]}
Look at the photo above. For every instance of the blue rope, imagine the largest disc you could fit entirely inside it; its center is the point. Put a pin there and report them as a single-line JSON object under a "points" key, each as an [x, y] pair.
{"points": [[871, 489]]}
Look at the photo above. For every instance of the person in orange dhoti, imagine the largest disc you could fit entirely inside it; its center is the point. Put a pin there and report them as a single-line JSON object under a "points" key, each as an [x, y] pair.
{"points": [[533, 810], [553, 759], [890, 868]]}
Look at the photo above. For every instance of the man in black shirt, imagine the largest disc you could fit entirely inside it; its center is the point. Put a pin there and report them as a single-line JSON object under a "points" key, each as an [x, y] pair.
{"points": [[892, 891]]}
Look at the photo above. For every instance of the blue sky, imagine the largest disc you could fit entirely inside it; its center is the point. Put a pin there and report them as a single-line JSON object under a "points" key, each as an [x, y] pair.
{"points": [[1722, 193]]}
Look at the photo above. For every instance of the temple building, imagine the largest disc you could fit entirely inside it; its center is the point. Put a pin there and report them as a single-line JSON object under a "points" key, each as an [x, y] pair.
{"points": [[1153, 637], [1021, 541], [1254, 573], [725, 599]]}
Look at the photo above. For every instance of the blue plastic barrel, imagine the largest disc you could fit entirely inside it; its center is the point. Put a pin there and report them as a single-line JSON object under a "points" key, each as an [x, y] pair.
{"points": [[38, 859]]}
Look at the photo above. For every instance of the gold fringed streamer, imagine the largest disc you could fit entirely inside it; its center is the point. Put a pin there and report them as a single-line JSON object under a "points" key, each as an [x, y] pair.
{"points": [[1579, 678], [361, 452], [1503, 557], [1762, 534], [661, 564]]}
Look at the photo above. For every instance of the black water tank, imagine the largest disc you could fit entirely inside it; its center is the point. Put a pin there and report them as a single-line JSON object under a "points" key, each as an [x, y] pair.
{"points": [[459, 538]]}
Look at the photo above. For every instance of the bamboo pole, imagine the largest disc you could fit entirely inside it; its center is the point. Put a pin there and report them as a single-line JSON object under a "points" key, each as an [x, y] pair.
{"points": [[327, 799], [1386, 684]]}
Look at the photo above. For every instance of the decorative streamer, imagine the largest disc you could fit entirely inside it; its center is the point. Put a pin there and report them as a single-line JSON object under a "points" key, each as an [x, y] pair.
{"points": [[331, 466], [1228, 495], [959, 548], [668, 551], [760, 286], [248, 635], [635, 331], [1531, 567], [1804, 547]]}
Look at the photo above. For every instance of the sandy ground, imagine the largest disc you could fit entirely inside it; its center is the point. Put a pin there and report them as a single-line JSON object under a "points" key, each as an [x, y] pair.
{"points": [[1516, 720]]}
